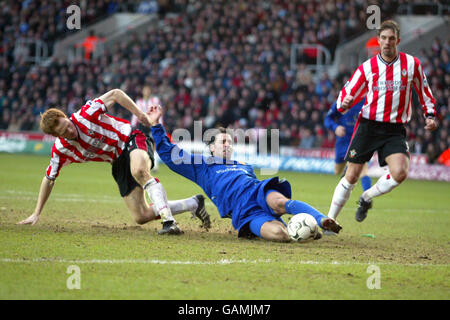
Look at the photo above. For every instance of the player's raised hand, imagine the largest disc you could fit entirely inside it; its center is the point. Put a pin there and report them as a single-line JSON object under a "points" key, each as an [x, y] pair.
{"points": [[347, 102], [33, 219], [430, 124], [154, 113]]}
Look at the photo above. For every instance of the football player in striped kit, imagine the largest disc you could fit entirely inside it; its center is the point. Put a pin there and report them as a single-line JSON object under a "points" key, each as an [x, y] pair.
{"points": [[148, 99], [386, 81], [91, 134]]}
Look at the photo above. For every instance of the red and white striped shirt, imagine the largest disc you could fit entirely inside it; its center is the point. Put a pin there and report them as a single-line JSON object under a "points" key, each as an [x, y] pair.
{"points": [[388, 89], [101, 137], [145, 105]]}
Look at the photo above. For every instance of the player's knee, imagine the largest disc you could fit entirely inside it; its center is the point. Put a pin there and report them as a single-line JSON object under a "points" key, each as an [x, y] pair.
{"points": [[140, 220], [352, 177], [279, 205], [399, 175], [140, 174], [140, 216]]}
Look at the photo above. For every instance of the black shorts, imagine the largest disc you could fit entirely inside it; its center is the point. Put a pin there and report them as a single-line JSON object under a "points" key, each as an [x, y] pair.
{"points": [[121, 170], [370, 136]]}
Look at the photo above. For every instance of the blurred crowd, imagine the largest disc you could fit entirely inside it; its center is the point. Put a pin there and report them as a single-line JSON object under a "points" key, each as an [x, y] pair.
{"points": [[436, 65], [46, 20], [222, 62]]}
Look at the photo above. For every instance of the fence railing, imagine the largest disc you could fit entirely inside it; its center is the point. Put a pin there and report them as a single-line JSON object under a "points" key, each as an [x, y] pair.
{"points": [[322, 56], [30, 50], [425, 7]]}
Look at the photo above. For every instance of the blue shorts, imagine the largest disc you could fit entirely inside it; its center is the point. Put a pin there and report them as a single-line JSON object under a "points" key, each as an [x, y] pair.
{"points": [[259, 212], [341, 149]]}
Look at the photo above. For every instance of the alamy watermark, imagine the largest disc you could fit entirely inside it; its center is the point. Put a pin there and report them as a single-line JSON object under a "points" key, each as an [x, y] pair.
{"points": [[374, 19], [374, 280], [74, 280], [257, 146], [74, 19]]}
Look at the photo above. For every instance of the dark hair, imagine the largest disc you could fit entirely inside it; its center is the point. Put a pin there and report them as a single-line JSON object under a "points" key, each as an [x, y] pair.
{"points": [[213, 138], [389, 24]]}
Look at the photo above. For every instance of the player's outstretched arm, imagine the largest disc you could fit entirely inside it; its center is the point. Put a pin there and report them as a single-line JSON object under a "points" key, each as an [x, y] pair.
{"points": [[44, 193], [120, 97], [174, 157]]}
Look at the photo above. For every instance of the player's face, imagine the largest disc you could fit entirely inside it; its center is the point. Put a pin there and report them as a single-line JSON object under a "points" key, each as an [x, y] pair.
{"points": [[146, 91], [388, 42], [66, 129], [222, 146]]}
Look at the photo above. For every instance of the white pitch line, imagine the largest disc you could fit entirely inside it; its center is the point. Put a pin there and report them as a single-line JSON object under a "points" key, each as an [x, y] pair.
{"points": [[57, 199], [134, 261], [218, 262], [66, 195], [60, 197]]}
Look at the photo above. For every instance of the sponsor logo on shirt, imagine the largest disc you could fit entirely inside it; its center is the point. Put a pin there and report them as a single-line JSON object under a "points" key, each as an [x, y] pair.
{"points": [[389, 85]]}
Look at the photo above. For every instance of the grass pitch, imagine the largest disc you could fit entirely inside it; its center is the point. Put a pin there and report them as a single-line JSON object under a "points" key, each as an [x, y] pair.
{"points": [[86, 223]]}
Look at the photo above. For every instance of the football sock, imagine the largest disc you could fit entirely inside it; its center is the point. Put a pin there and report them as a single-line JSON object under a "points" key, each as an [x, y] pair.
{"points": [[180, 206], [341, 195], [295, 207], [366, 182], [384, 185], [158, 197]]}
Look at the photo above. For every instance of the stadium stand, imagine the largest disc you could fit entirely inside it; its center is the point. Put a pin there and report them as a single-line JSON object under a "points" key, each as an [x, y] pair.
{"points": [[223, 62]]}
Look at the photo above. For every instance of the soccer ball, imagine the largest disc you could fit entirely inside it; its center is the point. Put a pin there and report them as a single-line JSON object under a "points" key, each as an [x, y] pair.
{"points": [[302, 227]]}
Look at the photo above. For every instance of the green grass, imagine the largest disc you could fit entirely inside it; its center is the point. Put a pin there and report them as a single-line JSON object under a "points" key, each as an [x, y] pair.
{"points": [[86, 223]]}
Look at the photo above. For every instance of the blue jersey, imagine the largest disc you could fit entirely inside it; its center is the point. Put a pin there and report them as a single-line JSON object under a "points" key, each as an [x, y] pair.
{"points": [[232, 185], [348, 120]]}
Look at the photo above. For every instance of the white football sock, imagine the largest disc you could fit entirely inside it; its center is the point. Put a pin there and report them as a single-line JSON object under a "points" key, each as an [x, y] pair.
{"points": [[384, 185], [158, 197], [180, 206], [341, 195]]}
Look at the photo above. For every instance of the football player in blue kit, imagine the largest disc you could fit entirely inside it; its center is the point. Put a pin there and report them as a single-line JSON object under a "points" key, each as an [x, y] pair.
{"points": [[254, 206], [342, 125]]}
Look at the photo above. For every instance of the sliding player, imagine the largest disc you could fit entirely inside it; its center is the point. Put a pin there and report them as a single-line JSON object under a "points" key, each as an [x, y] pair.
{"points": [[254, 206]]}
